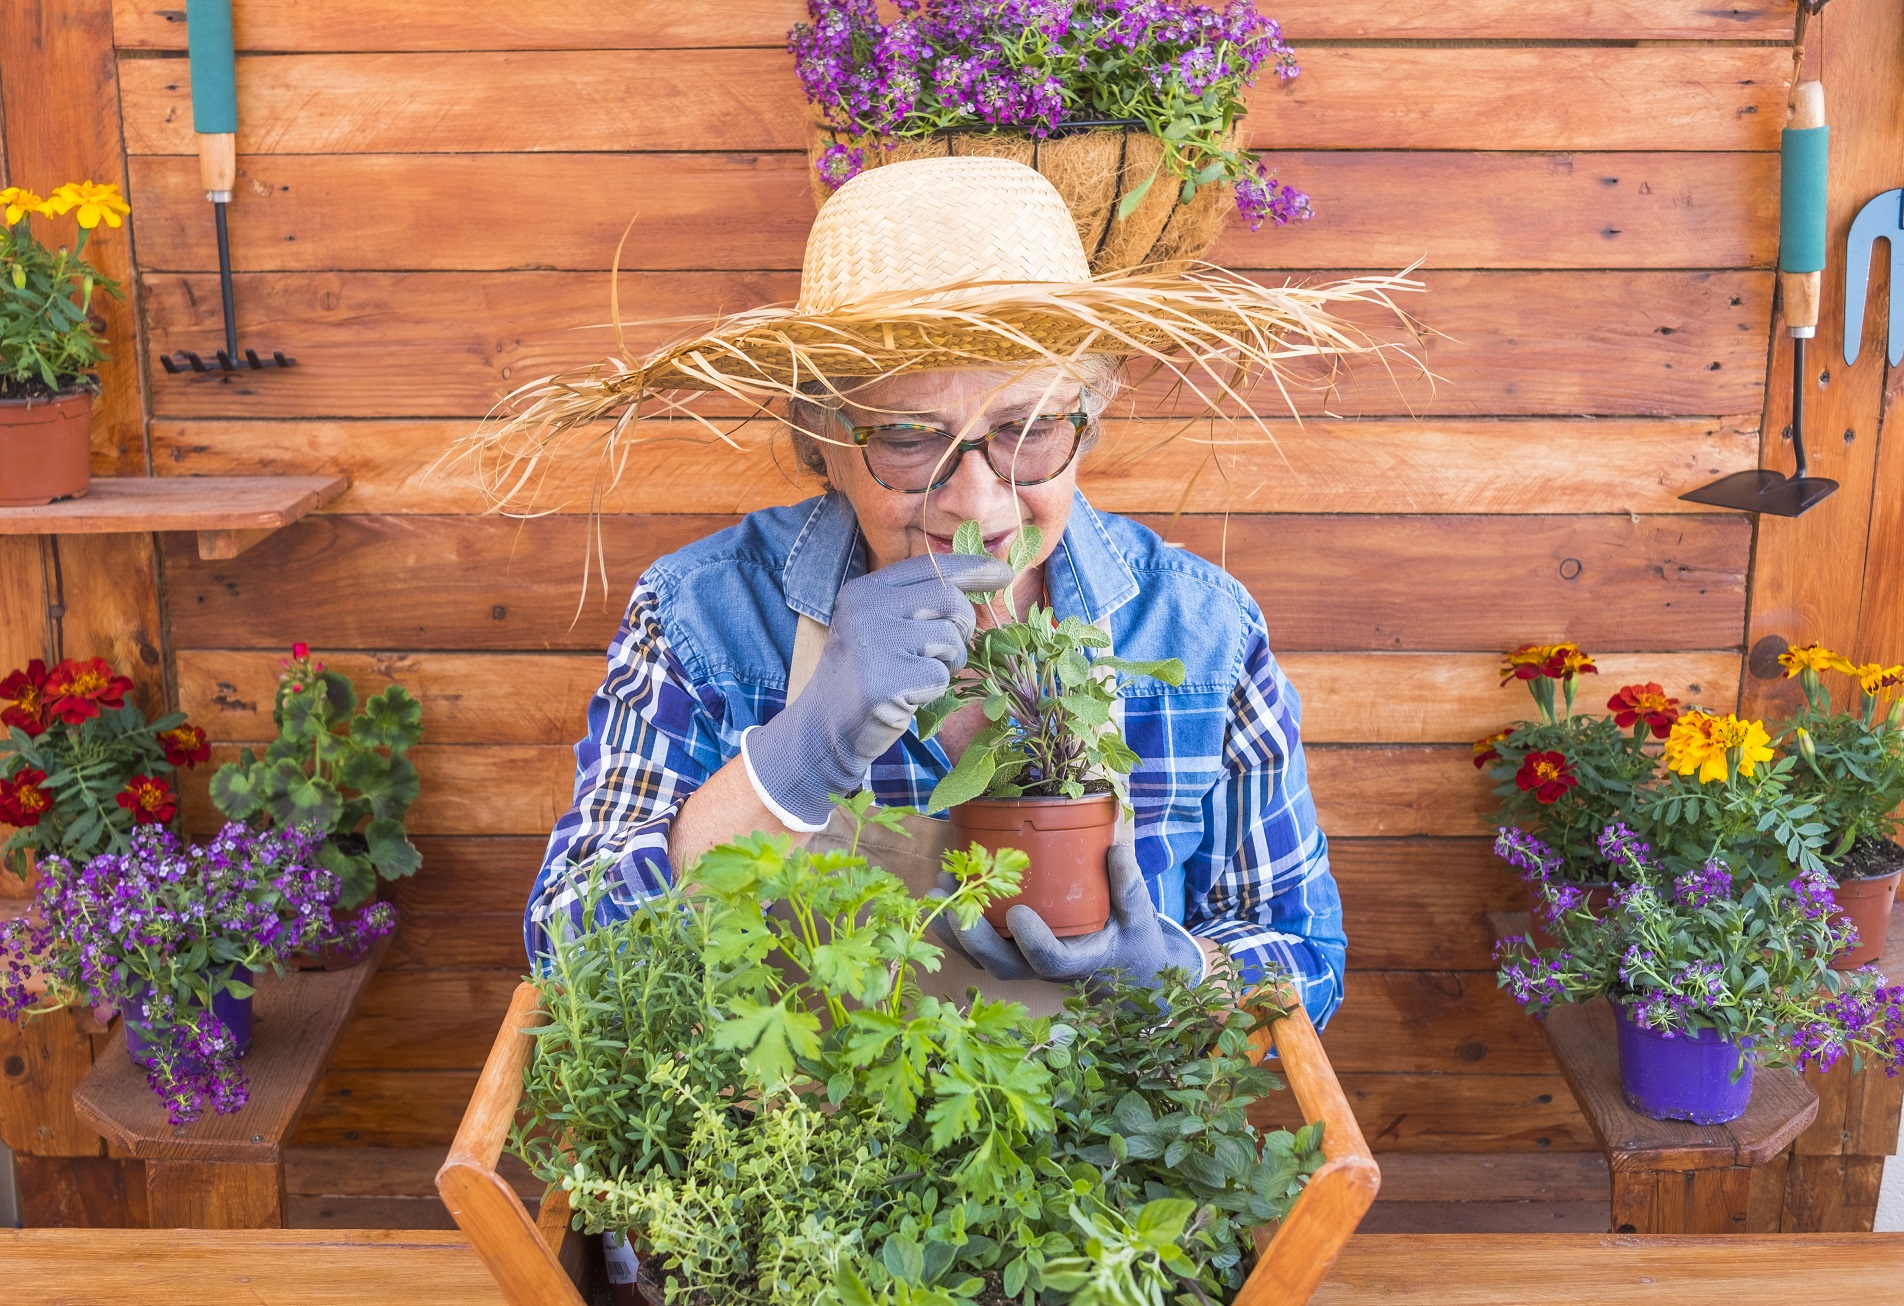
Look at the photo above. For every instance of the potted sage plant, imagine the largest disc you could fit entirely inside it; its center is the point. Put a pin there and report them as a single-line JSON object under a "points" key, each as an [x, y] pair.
{"points": [[1710, 972], [1047, 773]]}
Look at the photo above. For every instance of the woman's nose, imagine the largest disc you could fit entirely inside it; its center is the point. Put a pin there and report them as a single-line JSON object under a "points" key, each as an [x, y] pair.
{"points": [[975, 490]]}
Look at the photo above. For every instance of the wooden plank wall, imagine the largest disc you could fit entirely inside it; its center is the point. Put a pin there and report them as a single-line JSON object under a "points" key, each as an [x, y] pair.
{"points": [[428, 201]]}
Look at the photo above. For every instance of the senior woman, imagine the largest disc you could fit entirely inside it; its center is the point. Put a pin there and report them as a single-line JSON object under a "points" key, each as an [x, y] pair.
{"points": [[773, 665]]}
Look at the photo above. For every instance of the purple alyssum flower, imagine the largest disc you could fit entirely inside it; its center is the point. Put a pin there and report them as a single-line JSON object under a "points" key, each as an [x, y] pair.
{"points": [[1704, 885], [1521, 850]]}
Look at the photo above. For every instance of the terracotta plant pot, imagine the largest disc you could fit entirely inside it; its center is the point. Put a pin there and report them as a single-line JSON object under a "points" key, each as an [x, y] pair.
{"points": [[1866, 900], [45, 449], [1066, 839], [1598, 896]]}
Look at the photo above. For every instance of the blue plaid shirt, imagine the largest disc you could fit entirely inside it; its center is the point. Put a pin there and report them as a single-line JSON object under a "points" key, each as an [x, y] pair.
{"points": [[1226, 827]]}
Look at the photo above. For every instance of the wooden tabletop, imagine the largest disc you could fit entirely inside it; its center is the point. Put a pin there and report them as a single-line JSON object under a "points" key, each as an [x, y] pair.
{"points": [[372, 1267], [296, 1022], [177, 503]]}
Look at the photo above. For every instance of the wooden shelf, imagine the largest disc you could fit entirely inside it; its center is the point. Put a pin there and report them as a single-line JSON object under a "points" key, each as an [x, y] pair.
{"points": [[229, 513]]}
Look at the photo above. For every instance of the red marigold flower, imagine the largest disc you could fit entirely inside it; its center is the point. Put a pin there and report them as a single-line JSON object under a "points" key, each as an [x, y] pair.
{"points": [[149, 799], [1646, 702], [1549, 775], [1554, 661], [1485, 751], [22, 801], [79, 691], [185, 745], [25, 692]]}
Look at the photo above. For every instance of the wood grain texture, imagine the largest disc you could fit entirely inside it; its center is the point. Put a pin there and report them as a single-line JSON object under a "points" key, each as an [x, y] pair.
{"points": [[1585, 343], [80, 1192], [1546, 1179], [42, 1060], [303, 212], [383, 1172], [1432, 465], [541, 698], [225, 1267], [1610, 583], [1832, 1194], [214, 1195], [1609, 98], [288, 25], [120, 505]]}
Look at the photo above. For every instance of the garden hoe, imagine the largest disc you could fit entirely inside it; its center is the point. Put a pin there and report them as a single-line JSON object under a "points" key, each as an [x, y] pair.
{"points": [[1801, 266], [215, 120]]}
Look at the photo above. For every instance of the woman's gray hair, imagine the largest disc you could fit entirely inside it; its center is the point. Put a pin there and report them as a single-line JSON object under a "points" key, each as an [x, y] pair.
{"points": [[1097, 376]]}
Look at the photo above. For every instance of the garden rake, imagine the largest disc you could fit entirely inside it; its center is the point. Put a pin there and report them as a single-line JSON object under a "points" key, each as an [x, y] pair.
{"points": [[215, 120]]}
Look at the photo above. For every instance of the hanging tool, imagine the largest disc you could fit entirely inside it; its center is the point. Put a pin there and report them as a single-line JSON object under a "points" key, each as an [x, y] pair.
{"points": [[1801, 266], [215, 119], [1881, 219]]}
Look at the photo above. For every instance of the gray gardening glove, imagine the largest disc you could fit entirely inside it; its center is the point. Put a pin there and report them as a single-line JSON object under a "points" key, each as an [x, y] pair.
{"points": [[1136, 939], [898, 636]]}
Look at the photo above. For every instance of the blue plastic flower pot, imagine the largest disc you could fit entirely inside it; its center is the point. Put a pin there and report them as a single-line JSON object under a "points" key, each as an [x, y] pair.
{"points": [[1684, 1077], [234, 1012]]}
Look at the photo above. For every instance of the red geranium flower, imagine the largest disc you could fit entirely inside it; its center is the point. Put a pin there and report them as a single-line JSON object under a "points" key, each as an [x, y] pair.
{"points": [[1646, 702], [22, 801], [1485, 751], [185, 745], [1549, 775], [25, 692], [300, 651], [79, 691], [149, 799]]}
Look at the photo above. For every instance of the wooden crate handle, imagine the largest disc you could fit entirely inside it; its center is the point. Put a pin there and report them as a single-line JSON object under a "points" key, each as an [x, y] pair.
{"points": [[1305, 1246], [527, 1268]]}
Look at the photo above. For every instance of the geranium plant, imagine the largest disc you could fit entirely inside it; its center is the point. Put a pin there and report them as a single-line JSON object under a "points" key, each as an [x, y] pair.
{"points": [[80, 766], [1853, 772], [49, 340], [1564, 777], [1178, 67], [1047, 695], [335, 768], [1711, 947], [159, 931], [774, 1112]]}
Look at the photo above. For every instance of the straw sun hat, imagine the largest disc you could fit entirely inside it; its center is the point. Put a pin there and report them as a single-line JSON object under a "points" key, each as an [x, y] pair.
{"points": [[936, 263]]}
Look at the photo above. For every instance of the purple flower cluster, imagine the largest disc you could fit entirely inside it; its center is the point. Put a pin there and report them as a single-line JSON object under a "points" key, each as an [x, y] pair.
{"points": [[1530, 979], [1618, 844], [115, 931], [1867, 1016], [1691, 987], [1704, 885], [1521, 850], [1816, 897], [1034, 65]]}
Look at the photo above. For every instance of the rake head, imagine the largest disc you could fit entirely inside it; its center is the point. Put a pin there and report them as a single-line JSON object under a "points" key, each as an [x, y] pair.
{"points": [[188, 361]]}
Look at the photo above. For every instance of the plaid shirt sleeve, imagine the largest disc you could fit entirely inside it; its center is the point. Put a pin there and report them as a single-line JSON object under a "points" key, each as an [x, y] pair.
{"points": [[653, 739], [1272, 901]]}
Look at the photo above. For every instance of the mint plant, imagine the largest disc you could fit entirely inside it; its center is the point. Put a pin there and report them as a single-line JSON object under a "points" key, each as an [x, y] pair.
{"points": [[335, 769], [1047, 694], [769, 1106]]}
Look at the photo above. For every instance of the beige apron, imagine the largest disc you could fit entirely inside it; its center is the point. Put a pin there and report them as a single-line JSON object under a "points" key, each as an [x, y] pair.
{"points": [[916, 860]]}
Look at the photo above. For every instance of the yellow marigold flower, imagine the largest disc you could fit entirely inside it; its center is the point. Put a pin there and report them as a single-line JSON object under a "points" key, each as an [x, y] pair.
{"points": [[19, 201], [1812, 657], [1874, 677], [1554, 661], [95, 202], [1701, 742]]}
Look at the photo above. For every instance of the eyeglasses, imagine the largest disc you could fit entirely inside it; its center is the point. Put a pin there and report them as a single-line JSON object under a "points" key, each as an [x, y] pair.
{"points": [[915, 459]]}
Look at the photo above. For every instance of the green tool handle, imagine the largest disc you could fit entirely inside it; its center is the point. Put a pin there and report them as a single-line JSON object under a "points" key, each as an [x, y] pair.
{"points": [[1803, 155], [214, 95]]}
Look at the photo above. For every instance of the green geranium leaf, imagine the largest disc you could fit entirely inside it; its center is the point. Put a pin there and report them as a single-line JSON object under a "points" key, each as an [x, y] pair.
{"points": [[340, 694], [304, 800], [358, 876], [391, 720], [390, 850], [234, 791], [389, 785]]}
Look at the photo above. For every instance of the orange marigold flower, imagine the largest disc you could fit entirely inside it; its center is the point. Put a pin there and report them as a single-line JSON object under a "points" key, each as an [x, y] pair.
{"points": [[149, 799], [25, 692], [1485, 750], [1873, 677], [22, 801], [185, 745], [1812, 657], [1646, 702], [1554, 661], [1548, 775], [79, 691]]}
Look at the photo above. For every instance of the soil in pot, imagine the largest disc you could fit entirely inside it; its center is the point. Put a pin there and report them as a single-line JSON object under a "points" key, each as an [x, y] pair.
{"points": [[45, 448], [1599, 894], [1867, 886], [1684, 1077], [234, 1012], [1067, 840]]}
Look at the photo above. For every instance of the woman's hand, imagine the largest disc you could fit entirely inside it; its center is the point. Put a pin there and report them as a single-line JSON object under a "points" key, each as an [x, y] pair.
{"points": [[898, 636], [1136, 940]]}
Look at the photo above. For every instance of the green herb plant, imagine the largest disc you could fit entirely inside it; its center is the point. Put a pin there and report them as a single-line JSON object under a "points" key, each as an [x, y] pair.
{"points": [[769, 1106], [337, 769], [1047, 698]]}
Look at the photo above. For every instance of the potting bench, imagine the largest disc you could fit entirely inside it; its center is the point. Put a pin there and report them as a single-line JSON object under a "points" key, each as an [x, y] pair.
{"points": [[227, 1172]]}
